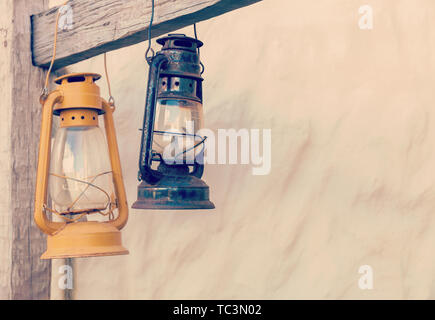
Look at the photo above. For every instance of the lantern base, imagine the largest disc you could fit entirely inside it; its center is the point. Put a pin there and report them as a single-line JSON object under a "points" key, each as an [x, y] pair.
{"points": [[174, 193], [84, 239]]}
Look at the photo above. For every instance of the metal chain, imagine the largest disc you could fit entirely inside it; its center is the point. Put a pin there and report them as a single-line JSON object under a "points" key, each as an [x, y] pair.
{"points": [[147, 57]]}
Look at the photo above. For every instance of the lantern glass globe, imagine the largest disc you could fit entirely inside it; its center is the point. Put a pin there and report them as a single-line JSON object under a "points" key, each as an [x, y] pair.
{"points": [[175, 128], [80, 170]]}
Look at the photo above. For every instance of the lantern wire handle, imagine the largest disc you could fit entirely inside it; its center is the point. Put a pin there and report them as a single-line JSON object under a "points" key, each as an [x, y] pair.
{"points": [[147, 57], [111, 98], [44, 92], [199, 52]]}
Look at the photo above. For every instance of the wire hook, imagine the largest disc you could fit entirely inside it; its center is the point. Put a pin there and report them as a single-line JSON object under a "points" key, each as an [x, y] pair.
{"points": [[149, 49]]}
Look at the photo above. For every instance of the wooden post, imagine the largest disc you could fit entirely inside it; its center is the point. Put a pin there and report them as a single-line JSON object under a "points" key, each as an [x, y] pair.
{"points": [[22, 274]]}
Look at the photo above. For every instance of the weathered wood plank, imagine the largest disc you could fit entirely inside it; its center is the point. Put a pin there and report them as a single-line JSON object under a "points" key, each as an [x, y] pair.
{"points": [[6, 17], [30, 276], [104, 25]]}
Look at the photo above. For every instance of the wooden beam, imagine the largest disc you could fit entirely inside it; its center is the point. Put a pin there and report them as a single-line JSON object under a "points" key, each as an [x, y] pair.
{"points": [[22, 274], [99, 26]]}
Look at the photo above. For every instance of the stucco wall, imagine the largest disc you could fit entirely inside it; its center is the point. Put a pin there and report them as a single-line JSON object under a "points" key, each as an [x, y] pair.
{"points": [[352, 179]]}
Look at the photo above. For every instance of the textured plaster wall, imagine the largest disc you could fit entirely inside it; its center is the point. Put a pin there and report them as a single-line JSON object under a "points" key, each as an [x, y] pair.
{"points": [[353, 175]]}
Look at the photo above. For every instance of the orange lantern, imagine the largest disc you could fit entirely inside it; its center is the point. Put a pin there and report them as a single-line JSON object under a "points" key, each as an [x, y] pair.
{"points": [[81, 172]]}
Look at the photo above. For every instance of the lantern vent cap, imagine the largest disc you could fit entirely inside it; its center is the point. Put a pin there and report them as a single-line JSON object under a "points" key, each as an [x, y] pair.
{"points": [[79, 91], [78, 77], [179, 41]]}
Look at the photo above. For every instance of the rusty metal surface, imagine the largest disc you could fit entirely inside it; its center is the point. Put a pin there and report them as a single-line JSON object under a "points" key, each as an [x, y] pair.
{"points": [[145, 155], [174, 193]]}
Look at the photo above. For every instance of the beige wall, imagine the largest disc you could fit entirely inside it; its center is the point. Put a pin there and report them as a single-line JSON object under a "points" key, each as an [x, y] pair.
{"points": [[352, 180]]}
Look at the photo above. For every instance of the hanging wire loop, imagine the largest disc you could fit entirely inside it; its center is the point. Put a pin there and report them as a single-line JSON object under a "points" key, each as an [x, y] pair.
{"points": [[111, 98], [44, 92], [149, 50]]}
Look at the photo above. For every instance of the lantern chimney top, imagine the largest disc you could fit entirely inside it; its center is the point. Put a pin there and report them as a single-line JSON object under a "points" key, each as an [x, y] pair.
{"points": [[78, 77], [179, 41], [79, 92]]}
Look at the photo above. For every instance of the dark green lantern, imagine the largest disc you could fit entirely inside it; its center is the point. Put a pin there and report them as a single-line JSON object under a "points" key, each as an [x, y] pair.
{"points": [[172, 151]]}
